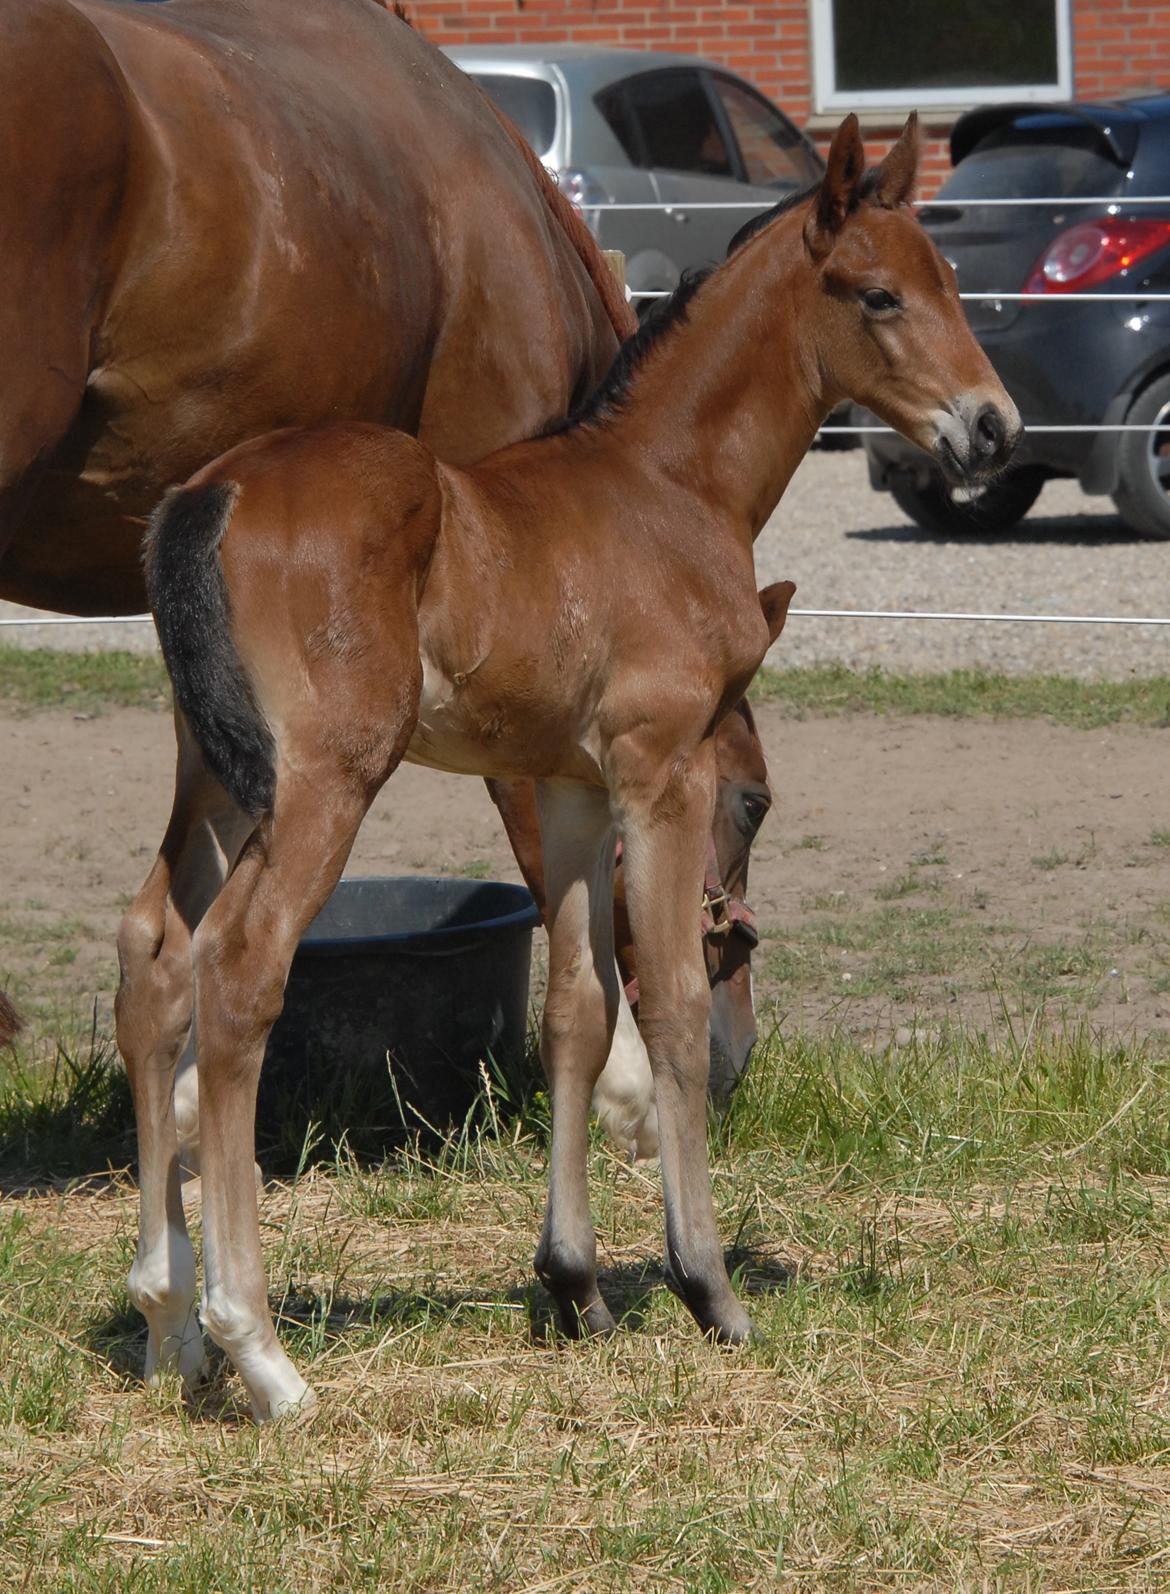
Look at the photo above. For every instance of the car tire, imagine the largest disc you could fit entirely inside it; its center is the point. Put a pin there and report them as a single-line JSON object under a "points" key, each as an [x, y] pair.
{"points": [[996, 509], [1143, 459]]}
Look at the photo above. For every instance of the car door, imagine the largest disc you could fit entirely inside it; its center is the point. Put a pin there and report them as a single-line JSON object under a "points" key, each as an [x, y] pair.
{"points": [[774, 160], [689, 152]]}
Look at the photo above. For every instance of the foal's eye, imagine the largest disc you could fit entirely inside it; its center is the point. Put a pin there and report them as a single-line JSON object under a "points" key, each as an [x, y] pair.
{"points": [[755, 810], [879, 301]]}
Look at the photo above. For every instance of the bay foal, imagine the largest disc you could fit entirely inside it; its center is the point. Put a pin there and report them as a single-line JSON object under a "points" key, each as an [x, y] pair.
{"points": [[330, 602]]}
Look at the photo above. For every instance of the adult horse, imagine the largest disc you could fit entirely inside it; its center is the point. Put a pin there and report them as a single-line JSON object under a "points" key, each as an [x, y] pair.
{"points": [[330, 602], [224, 216]]}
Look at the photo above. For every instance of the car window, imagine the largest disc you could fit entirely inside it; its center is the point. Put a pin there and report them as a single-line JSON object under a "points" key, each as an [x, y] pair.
{"points": [[666, 119], [618, 113], [1064, 162], [529, 101], [773, 153]]}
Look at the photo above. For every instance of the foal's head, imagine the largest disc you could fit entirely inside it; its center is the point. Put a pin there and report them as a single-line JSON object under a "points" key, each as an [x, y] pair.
{"points": [[883, 308]]}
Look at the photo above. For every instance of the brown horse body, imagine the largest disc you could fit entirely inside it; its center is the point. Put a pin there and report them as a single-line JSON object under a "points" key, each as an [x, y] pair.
{"points": [[331, 602], [226, 217]]}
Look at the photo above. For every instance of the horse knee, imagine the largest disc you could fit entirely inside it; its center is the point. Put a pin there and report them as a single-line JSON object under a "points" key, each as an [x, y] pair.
{"points": [[152, 1008]]}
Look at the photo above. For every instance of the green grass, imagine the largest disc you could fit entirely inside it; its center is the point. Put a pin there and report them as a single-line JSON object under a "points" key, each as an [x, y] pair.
{"points": [[955, 1257], [40, 678], [84, 683], [833, 689]]}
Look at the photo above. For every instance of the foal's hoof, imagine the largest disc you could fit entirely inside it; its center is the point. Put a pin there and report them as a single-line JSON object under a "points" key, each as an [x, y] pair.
{"points": [[736, 1331], [290, 1412], [717, 1312], [595, 1319], [583, 1322]]}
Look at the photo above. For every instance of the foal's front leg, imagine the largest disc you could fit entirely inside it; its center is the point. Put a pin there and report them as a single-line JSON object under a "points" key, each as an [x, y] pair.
{"points": [[665, 824], [580, 1012]]}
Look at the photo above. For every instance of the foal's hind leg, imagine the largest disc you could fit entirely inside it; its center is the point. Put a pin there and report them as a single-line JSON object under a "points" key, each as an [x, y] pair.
{"points": [[242, 954], [154, 1018], [580, 1012]]}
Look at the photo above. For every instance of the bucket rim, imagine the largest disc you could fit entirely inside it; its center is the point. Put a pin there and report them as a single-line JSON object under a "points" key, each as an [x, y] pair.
{"points": [[525, 916]]}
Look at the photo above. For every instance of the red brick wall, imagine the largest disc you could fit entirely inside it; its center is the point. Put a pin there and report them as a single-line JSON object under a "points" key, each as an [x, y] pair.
{"points": [[1118, 45]]}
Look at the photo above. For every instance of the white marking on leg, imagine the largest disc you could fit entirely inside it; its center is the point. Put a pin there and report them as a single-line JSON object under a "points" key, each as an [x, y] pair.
{"points": [[274, 1386], [162, 1287]]}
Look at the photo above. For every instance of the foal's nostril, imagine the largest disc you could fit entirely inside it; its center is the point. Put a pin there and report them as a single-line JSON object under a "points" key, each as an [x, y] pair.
{"points": [[989, 432]]}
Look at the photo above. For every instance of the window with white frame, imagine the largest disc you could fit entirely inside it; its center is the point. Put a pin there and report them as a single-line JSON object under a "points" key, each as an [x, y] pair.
{"points": [[907, 54]]}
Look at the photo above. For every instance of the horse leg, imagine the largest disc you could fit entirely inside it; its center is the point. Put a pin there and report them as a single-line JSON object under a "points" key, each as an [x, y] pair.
{"points": [[242, 954], [153, 1011], [624, 1097], [580, 1013], [665, 832]]}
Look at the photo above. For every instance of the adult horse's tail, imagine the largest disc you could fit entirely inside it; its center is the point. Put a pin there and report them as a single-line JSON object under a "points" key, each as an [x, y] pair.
{"points": [[189, 599]]}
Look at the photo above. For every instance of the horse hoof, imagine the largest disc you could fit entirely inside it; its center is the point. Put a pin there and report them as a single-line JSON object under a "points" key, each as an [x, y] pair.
{"points": [[734, 1332], [597, 1319], [586, 1322], [293, 1412]]}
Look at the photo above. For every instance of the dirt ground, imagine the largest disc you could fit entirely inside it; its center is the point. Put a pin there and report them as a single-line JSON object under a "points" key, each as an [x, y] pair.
{"points": [[912, 871]]}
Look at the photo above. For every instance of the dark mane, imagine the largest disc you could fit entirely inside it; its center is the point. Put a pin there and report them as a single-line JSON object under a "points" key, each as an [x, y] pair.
{"points": [[758, 223], [605, 401]]}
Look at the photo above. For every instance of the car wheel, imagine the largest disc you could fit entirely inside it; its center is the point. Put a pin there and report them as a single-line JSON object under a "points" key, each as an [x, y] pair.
{"points": [[1143, 458], [997, 508]]}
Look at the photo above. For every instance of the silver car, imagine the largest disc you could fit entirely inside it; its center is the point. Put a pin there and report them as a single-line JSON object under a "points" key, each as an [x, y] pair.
{"points": [[627, 126]]}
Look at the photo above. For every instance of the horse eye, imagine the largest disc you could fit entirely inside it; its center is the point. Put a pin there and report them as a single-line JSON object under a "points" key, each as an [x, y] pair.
{"points": [[756, 810], [879, 301]]}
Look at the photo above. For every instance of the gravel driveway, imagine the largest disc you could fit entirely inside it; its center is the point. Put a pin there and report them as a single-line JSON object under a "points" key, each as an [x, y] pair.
{"points": [[847, 547]]}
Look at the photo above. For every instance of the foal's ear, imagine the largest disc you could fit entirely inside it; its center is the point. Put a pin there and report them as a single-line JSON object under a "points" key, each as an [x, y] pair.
{"points": [[898, 173], [774, 601], [838, 192]]}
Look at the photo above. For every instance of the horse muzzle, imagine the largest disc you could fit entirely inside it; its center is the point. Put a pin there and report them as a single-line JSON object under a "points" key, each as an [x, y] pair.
{"points": [[974, 440]]}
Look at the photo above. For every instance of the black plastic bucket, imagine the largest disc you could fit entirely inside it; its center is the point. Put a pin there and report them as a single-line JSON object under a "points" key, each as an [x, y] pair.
{"points": [[399, 989]]}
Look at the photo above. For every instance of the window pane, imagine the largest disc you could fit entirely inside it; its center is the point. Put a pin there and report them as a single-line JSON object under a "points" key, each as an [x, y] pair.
{"points": [[615, 107], [677, 123], [897, 44], [529, 101], [771, 148], [1035, 161]]}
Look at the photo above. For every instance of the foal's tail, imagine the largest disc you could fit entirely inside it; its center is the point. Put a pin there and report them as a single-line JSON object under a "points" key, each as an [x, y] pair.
{"points": [[192, 610]]}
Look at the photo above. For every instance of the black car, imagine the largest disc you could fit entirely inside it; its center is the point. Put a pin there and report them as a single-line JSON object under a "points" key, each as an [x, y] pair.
{"points": [[1064, 364]]}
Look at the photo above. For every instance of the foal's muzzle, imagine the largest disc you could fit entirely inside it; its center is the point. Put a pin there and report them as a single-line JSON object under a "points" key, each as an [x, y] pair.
{"points": [[975, 441]]}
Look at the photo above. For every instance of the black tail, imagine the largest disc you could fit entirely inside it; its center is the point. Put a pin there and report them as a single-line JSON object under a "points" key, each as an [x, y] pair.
{"points": [[184, 579]]}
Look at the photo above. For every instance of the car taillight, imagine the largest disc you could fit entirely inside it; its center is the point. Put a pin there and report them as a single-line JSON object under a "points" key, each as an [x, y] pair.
{"points": [[1093, 251], [580, 188]]}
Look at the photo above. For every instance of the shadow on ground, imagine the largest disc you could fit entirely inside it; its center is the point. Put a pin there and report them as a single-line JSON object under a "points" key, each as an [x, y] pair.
{"points": [[1072, 531], [119, 1338]]}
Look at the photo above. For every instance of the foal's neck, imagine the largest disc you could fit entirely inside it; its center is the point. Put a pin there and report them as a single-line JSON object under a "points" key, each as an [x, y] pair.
{"points": [[727, 402]]}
